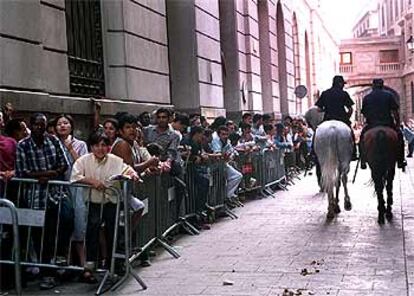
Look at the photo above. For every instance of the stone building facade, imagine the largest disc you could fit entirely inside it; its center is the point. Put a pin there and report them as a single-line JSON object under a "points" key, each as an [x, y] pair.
{"points": [[216, 57], [367, 25], [363, 59], [386, 56]]}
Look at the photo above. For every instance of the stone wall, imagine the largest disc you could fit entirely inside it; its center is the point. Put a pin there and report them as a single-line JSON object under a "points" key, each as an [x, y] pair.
{"points": [[194, 48], [209, 56]]}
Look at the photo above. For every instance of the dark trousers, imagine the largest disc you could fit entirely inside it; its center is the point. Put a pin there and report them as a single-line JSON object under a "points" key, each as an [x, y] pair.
{"points": [[411, 148], [202, 188], [56, 236], [95, 221]]}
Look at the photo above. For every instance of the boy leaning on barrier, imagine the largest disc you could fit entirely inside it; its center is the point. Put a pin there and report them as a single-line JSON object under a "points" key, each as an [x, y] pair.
{"points": [[96, 169]]}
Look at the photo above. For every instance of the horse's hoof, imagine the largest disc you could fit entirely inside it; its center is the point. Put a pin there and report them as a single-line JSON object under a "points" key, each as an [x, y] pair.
{"points": [[381, 219], [347, 205], [337, 209], [330, 216], [389, 215]]}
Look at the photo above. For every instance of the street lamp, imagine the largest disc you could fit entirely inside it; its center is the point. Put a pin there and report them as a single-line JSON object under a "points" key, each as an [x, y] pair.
{"points": [[410, 44]]}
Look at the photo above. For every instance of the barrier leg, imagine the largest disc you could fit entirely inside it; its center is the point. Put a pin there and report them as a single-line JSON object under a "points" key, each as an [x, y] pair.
{"points": [[16, 244], [230, 213], [126, 255], [168, 248], [189, 227], [182, 221], [100, 291]]}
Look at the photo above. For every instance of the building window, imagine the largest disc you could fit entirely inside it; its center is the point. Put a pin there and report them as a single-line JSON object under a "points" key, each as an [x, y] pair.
{"points": [[85, 52], [345, 58], [383, 16], [412, 97], [388, 56]]}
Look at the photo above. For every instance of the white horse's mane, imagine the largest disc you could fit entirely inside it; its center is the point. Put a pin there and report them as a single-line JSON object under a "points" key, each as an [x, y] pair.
{"points": [[314, 117]]}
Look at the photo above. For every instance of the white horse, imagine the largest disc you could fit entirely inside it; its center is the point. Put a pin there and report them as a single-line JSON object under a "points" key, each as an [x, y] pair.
{"points": [[333, 147]]}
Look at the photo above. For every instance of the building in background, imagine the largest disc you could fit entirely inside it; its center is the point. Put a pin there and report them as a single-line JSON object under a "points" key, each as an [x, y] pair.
{"points": [[388, 55], [216, 57], [368, 23]]}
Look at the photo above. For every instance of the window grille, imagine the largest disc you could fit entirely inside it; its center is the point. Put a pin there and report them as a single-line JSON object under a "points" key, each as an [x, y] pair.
{"points": [[85, 49]]}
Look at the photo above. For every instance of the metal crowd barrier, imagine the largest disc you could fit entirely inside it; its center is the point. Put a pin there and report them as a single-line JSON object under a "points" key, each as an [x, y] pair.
{"points": [[12, 219], [206, 189], [160, 215], [217, 181], [43, 232], [251, 166], [274, 169], [198, 184], [203, 192], [261, 171]]}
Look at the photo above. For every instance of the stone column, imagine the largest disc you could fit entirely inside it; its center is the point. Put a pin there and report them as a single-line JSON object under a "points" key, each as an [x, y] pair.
{"points": [[195, 56]]}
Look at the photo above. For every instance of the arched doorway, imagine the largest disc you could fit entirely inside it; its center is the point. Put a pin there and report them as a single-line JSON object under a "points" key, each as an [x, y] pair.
{"points": [[296, 60], [308, 70], [265, 63], [359, 90], [282, 68]]}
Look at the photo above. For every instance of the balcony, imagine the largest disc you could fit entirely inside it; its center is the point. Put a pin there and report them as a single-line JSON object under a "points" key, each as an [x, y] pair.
{"points": [[346, 69], [388, 67]]}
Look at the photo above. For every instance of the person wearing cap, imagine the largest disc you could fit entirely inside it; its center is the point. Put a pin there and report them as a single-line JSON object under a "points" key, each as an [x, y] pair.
{"points": [[380, 107], [337, 105]]}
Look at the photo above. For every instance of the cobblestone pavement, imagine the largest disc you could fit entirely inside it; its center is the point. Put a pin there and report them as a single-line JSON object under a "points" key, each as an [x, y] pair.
{"points": [[285, 243]]}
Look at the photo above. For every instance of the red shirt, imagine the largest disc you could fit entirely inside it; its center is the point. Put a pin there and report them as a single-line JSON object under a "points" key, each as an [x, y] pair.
{"points": [[7, 153]]}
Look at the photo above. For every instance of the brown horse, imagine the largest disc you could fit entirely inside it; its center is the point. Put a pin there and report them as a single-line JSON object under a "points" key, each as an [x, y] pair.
{"points": [[381, 145]]}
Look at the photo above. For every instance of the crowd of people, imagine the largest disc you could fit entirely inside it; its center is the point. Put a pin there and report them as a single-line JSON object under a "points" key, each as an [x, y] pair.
{"points": [[148, 144]]}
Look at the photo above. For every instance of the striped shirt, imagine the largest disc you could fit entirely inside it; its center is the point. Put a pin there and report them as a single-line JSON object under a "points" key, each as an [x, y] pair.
{"points": [[168, 140], [33, 158]]}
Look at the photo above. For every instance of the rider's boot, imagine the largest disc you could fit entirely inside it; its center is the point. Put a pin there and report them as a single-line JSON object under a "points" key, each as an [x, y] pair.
{"points": [[362, 156], [354, 152], [401, 162], [354, 147]]}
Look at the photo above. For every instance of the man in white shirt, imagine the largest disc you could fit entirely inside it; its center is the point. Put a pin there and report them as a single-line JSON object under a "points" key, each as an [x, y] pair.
{"points": [[222, 145]]}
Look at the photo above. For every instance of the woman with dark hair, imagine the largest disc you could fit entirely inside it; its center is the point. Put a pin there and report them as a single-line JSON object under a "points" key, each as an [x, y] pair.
{"points": [[64, 126], [16, 128], [218, 121], [110, 126], [73, 149]]}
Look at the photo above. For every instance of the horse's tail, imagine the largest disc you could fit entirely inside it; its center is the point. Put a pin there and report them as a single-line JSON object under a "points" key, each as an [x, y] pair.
{"points": [[380, 152], [329, 166]]}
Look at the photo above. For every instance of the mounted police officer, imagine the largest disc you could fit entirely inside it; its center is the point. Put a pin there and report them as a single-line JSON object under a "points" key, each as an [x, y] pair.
{"points": [[379, 107], [337, 105]]}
